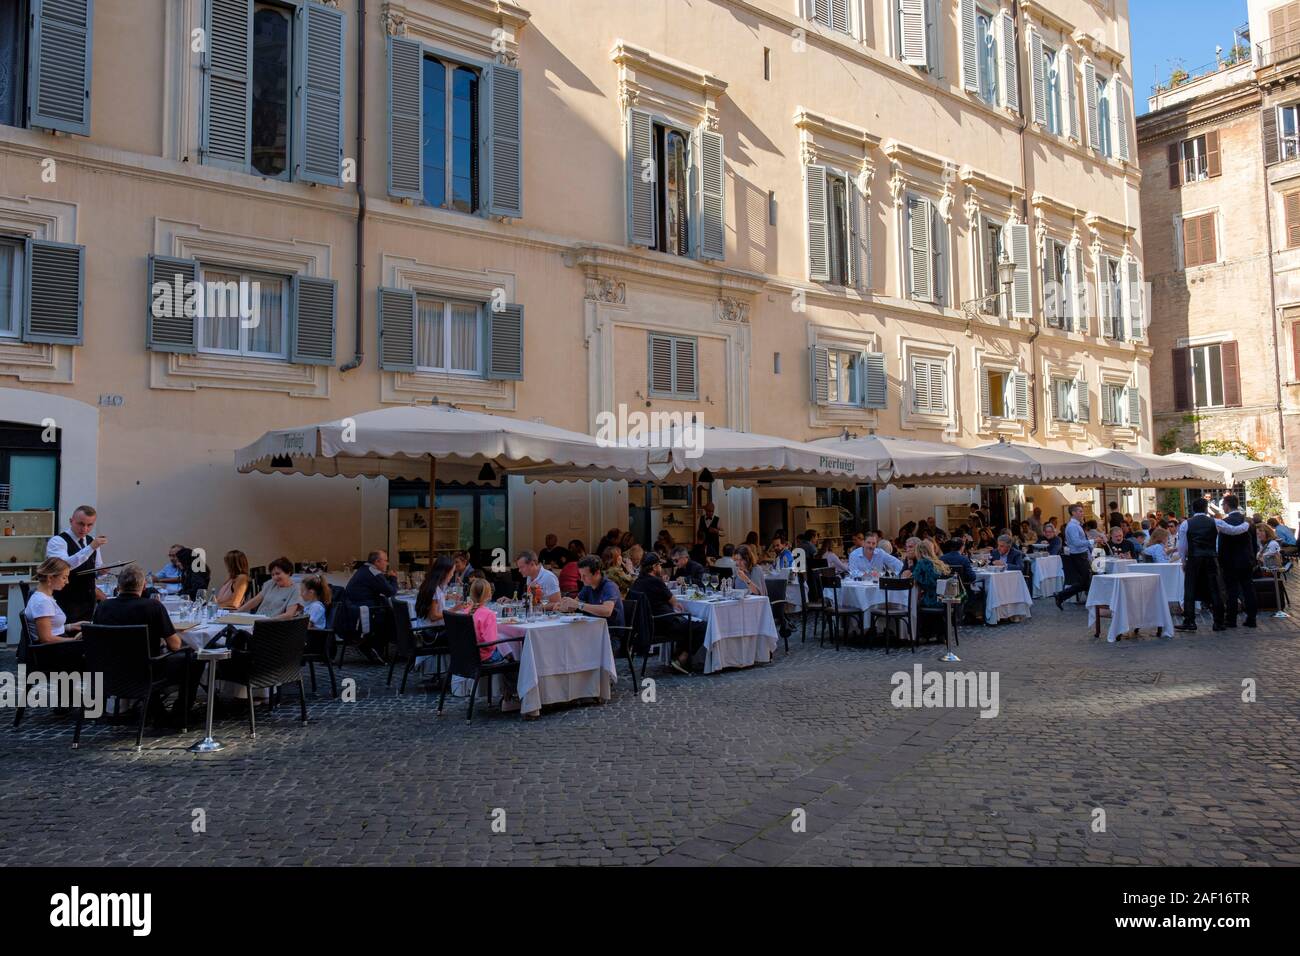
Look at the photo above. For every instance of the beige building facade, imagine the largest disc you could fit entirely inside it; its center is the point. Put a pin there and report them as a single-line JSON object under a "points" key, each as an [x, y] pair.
{"points": [[783, 216]]}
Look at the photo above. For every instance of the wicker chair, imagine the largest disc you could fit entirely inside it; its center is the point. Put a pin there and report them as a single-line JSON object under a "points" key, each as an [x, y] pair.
{"points": [[463, 649], [270, 658], [411, 641], [40, 658], [124, 656]]}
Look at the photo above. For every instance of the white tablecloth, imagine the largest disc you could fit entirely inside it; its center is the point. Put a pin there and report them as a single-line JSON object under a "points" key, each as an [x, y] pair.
{"points": [[740, 633], [562, 659], [1049, 575], [864, 595], [1007, 595], [1135, 600], [1171, 576], [1119, 565]]}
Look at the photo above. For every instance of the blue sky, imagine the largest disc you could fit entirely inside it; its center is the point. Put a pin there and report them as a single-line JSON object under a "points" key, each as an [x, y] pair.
{"points": [[1168, 31]]}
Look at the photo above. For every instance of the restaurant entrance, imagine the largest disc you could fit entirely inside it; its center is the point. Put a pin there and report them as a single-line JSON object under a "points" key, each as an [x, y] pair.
{"points": [[483, 514]]}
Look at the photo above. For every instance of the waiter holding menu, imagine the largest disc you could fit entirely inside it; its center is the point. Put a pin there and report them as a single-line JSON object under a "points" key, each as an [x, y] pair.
{"points": [[79, 546]]}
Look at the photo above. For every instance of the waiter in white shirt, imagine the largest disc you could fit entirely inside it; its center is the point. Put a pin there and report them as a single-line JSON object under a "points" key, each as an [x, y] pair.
{"points": [[80, 547]]}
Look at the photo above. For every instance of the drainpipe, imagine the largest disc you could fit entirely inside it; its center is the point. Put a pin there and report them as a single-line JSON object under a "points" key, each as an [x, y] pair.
{"points": [[359, 277]]}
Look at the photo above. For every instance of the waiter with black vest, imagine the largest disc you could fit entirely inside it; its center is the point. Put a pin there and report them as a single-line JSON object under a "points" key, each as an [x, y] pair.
{"points": [[1237, 559], [80, 547], [1203, 536]]}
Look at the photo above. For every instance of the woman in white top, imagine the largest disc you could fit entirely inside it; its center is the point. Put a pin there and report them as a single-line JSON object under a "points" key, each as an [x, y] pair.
{"points": [[1270, 550], [43, 612]]}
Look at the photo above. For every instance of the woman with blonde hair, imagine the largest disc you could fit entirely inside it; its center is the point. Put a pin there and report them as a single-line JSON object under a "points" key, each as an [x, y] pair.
{"points": [[233, 592], [44, 616], [927, 571]]}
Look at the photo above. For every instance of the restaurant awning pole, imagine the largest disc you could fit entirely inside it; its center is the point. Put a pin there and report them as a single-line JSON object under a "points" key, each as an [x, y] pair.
{"points": [[433, 507]]}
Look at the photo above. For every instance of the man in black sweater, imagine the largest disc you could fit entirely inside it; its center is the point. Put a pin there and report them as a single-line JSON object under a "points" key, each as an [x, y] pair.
{"points": [[370, 586], [1237, 559], [1201, 567]]}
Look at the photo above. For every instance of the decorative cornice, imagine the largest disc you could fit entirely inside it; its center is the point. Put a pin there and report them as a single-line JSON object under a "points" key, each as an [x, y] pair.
{"points": [[985, 183], [1035, 11], [901, 154], [644, 61], [820, 125], [1099, 224], [1046, 205], [1096, 46], [399, 18], [599, 261]]}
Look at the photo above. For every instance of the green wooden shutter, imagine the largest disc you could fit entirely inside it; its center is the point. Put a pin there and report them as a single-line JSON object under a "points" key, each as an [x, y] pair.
{"points": [[504, 352], [1120, 97], [660, 358], [970, 64], [505, 142], [58, 85], [685, 371], [819, 375], [315, 309], [1022, 304], [318, 153], [227, 86], [397, 330], [1134, 407], [875, 390], [405, 119], [819, 255], [54, 304], [712, 185], [641, 171], [854, 256], [1052, 297], [1084, 400], [168, 328], [1108, 406]]}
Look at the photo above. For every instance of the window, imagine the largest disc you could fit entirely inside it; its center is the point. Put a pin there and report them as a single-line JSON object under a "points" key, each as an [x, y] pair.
{"points": [[1199, 245], [1289, 130], [1004, 395], [675, 188], [13, 62], [987, 44], [1105, 146], [996, 382], [243, 313], [917, 34], [1207, 376], [930, 386], [836, 252], [848, 377], [673, 371], [449, 152], [1195, 167], [833, 14], [1114, 404], [837, 210], [672, 155], [991, 248], [845, 378], [1052, 91], [11, 284], [1058, 285], [271, 79], [1064, 400], [448, 336], [45, 64], [1112, 300]]}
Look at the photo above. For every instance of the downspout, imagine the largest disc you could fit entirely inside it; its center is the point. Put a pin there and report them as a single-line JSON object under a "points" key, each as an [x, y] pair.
{"points": [[359, 277]]}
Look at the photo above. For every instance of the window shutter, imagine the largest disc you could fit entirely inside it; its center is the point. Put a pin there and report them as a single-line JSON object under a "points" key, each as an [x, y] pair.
{"points": [[1083, 400], [505, 142], [1039, 105], [1175, 165], [1191, 243], [819, 256], [1059, 407], [1052, 297], [504, 345], [1090, 98], [1120, 114], [1182, 380], [58, 86], [167, 327], [1107, 404], [405, 119], [939, 386], [1271, 146], [1136, 319], [1209, 253], [1231, 376], [712, 185], [1104, 295], [661, 364], [986, 257], [318, 156], [1071, 96], [920, 384], [1021, 293], [227, 86], [1134, 407], [838, 14], [920, 260], [1010, 62], [970, 76], [819, 11], [854, 253], [1020, 389], [315, 308], [912, 33], [819, 375], [1295, 351], [1213, 158], [1292, 204], [685, 376], [640, 192], [397, 330], [54, 304], [986, 400], [1081, 308], [860, 238], [875, 391], [939, 256]]}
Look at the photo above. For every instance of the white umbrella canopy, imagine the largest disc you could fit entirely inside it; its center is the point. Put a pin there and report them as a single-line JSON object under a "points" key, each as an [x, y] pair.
{"points": [[922, 462], [400, 442], [745, 456], [1058, 465], [1157, 469], [1232, 468]]}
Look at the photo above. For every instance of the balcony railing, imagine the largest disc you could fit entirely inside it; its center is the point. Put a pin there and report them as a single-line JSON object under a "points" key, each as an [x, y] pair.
{"points": [[1277, 49]]}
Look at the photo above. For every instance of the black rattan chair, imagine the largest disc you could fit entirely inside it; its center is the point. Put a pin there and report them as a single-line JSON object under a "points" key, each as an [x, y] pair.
{"points": [[463, 651], [62, 657], [124, 656], [625, 634], [320, 650], [272, 656], [412, 642], [895, 615]]}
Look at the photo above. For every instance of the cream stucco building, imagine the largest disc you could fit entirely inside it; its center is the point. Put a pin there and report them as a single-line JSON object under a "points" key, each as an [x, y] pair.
{"points": [[783, 215]]}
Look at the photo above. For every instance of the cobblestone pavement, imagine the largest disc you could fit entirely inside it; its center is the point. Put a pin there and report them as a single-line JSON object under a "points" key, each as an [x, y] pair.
{"points": [[1152, 732]]}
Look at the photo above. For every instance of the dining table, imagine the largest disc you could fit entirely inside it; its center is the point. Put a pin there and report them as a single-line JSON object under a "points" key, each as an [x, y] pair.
{"points": [[739, 629], [1006, 594], [1048, 573], [865, 594], [562, 658], [1170, 574], [1135, 601]]}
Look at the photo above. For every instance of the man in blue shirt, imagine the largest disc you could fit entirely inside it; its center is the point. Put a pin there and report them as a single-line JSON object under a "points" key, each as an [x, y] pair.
{"points": [[1284, 534], [598, 596], [953, 557], [1074, 558], [871, 558]]}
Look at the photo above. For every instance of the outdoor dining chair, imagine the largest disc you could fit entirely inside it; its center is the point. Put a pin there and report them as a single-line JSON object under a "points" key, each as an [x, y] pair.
{"points": [[893, 614], [775, 588], [625, 633], [412, 642], [810, 599], [466, 661], [63, 657], [131, 671], [271, 657], [832, 614]]}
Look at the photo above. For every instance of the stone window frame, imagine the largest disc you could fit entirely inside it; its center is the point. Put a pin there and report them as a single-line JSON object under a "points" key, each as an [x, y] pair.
{"points": [[835, 416], [910, 419], [27, 217]]}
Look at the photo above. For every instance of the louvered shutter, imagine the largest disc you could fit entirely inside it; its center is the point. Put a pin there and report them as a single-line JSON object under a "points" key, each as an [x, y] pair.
{"points": [[711, 180], [1231, 375], [1022, 306], [1106, 300], [504, 343], [685, 375], [1182, 379], [640, 179], [505, 141], [875, 391], [920, 260], [1071, 96], [1081, 307], [1175, 161], [54, 304], [819, 375], [1107, 404], [405, 119], [1136, 318], [315, 309], [939, 256], [1208, 239], [986, 396], [1272, 149], [1039, 106], [970, 75], [1292, 204], [1120, 113], [1191, 242], [920, 385], [397, 330], [1020, 389], [167, 326], [1052, 297], [1010, 62], [1060, 410], [1213, 156], [859, 238], [913, 39], [319, 148], [1134, 407], [987, 259], [661, 364], [819, 256], [227, 86], [838, 14], [1083, 400], [938, 387], [854, 258], [819, 11], [1090, 99], [1295, 351], [58, 87]]}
